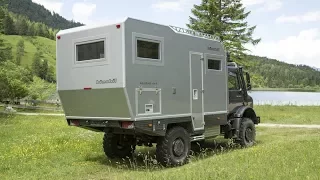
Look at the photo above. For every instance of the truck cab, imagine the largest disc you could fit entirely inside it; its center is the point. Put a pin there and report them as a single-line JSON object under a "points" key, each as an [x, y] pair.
{"points": [[238, 85], [240, 107]]}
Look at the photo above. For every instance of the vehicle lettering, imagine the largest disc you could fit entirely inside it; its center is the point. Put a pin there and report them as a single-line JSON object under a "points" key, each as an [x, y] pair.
{"points": [[148, 83], [109, 81], [213, 49]]}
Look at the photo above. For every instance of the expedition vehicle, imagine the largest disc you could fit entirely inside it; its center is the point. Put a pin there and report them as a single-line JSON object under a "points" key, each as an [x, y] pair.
{"points": [[142, 83]]}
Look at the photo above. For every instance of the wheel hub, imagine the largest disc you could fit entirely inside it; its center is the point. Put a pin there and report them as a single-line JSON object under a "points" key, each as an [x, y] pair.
{"points": [[178, 147], [249, 135]]}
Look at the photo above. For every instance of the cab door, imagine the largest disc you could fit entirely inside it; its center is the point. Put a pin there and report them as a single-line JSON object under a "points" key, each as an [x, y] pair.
{"points": [[236, 97]]}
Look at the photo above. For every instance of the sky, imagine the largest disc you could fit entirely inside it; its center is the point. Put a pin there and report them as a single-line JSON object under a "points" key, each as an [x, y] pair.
{"points": [[289, 29]]}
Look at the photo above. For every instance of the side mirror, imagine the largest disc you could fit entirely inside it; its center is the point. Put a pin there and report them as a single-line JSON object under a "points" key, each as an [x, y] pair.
{"points": [[228, 57], [248, 81]]}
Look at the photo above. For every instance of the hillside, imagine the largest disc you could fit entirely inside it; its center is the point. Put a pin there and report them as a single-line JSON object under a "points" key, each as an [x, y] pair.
{"points": [[32, 45], [38, 13], [273, 73]]}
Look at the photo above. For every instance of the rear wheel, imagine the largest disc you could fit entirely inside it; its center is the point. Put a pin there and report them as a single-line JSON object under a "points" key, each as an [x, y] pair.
{"points": [[174, 148], [118, 146], [247, 134]]}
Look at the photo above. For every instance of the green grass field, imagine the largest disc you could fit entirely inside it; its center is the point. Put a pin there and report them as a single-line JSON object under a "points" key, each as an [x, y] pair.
{"points": [[32, 44], [46, 148], [289, 114], [287, 89]]}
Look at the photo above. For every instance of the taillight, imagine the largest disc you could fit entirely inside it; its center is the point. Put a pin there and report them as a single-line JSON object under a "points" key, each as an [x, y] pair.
{"points": [[74, 122], [118, 26], [58, 37], [127, 124]]}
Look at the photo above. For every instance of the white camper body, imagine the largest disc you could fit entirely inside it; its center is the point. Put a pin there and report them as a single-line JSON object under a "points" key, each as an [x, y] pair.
{"points": [[136, 70]]}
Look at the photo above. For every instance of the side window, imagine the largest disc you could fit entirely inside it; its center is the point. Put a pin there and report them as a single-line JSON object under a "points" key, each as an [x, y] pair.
{"points": [[214, 64], [147, 49], [233, 83], [90, 51]]}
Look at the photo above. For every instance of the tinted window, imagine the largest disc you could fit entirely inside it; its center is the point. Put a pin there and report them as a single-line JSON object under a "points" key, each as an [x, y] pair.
{"points": [[147, 49], [233, 82], [214, 64], [90, 51]]}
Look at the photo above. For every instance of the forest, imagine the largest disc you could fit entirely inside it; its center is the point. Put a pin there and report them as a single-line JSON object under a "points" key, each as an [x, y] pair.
{"points": [[38, 13], [15, 24], [272, 73]]}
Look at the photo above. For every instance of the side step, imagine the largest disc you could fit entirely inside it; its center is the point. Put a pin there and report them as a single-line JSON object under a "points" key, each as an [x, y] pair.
{"points": [[196, 138]]}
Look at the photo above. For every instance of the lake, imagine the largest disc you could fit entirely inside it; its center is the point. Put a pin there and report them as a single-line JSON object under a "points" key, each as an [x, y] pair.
{"points": [[285, 98]]}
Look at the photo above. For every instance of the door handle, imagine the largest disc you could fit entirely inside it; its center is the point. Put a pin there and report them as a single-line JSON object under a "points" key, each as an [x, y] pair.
{"points": [[238, 96]]}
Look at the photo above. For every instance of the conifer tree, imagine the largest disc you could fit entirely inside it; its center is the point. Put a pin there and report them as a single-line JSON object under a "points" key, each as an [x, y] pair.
{"points": [[36, 64], [225, 19], [31, 30], [8, 25], [21, 26], [20, 51]]}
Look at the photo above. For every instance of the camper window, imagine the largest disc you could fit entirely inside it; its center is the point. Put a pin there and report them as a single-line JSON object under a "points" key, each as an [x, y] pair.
{"points": [[214, 64], [148, 49], [91, 51]]}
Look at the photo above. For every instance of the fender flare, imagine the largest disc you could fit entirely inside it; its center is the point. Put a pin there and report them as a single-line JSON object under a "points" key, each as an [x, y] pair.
{"points": [[246, 111]]}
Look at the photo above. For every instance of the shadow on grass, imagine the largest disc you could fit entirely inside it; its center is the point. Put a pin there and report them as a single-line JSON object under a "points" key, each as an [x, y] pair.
{"points": [[144, 158]]}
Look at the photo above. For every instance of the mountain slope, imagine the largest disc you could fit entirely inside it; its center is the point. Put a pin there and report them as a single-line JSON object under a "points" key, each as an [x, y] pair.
{"points": [[273, 73], [38, 13], [32, 45]]}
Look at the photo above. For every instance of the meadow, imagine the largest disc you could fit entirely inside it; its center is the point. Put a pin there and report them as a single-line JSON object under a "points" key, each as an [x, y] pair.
{"points": [[288, 114], [46, 148]]}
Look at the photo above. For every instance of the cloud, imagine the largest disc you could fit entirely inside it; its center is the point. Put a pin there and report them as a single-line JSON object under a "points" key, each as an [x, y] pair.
{"points": [[173, 5], [307, 17], [51, 5], [300, 49], [82, 11], [264, 5], [252, 2]]}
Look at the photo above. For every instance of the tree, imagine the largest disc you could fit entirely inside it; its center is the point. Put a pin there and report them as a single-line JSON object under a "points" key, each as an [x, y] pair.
{"points": [[14, 81], [36, 63], [8, 25], [40, 89], [31, 30], [39, 29], [45, 31], [226, 20], [44, 70], [20, 51], [21, 26], [2, 16], [5, 51]]}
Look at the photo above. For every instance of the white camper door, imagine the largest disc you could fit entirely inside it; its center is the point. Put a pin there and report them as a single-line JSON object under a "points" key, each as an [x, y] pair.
{"points": [[196, 87]]}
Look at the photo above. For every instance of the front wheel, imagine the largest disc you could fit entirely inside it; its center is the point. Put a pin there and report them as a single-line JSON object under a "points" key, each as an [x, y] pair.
{"points": [[247, 133], [174, 148]]}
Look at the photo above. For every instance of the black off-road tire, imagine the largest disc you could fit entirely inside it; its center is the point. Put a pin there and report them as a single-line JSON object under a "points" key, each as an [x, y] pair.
{"points": [[174, 148], [247, 133], [113, 149]]}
